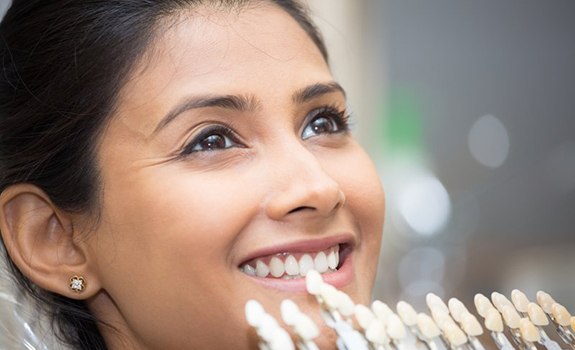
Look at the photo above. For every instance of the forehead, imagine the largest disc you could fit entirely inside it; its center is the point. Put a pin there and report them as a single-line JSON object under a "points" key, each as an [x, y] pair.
{"points": [[210, 50]]}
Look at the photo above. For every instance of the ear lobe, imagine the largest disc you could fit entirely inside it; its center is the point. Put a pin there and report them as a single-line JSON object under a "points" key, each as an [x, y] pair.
{"points": [[40, 239]]}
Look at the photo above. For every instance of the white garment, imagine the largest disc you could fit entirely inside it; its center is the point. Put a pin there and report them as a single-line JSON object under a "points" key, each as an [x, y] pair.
{"points": [[21, 327]]}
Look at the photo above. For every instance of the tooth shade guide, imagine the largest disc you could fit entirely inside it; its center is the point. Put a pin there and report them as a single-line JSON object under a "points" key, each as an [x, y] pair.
{"points": [[364, 316], [482, 304], [395, 328], [376, 332], [313, 282], [407, 314], [500, 301], [254, 311], [560, 314], [457, 309], [537, 315], [273, 336], [305, 328], [346, 306], [455, 335], [511, 317], [493, 320], [471, 325], [545, 301], [382, 327], [427, 326], [442, 319], [289, 311], [329, 294], [434, 302], [520, 300], [381, 310], [528, 330]]}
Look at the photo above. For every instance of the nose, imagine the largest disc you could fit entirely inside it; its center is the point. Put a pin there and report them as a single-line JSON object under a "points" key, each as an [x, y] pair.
{"points": [[302, 187]]}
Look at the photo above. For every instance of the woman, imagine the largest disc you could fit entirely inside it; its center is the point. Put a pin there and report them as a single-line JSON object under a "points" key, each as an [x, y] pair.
{"points": [[162, 162]]}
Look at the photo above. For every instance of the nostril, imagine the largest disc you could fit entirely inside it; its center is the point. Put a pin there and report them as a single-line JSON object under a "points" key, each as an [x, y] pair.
{"points": [[302, 208]]}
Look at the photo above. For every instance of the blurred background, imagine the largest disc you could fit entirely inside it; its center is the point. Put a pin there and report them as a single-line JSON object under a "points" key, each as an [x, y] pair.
{"points": [[468, 109]]}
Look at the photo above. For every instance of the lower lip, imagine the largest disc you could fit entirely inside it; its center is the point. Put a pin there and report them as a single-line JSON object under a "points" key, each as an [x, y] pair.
{"points": [[339, 279]]}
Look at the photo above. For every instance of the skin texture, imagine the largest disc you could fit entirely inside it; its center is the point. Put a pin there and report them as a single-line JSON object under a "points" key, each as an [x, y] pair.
{"points": [[162, 263]]}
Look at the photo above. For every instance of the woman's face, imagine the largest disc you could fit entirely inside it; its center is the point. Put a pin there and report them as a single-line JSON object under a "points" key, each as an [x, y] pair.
{"points": [[229, 155]]}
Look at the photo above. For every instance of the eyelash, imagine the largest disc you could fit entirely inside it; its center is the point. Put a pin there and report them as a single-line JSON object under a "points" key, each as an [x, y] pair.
{"points": [[339, 119], [224, 131]]}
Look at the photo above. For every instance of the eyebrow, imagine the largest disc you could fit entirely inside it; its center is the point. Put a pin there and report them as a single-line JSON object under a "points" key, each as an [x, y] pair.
{"points": [[244, 103], [313, 91]]}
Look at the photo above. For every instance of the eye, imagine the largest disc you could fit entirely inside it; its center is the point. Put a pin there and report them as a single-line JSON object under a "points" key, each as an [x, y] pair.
{"points": [[325, 120], [213, 138]]}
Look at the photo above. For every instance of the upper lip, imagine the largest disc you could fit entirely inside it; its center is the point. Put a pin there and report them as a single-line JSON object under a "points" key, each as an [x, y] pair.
{"points": [[301, 246]]}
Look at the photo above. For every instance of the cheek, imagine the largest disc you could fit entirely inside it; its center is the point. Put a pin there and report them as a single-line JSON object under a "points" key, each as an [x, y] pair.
{"points": [[169, 224], [181, 207], [365, 200], [361, 184]]}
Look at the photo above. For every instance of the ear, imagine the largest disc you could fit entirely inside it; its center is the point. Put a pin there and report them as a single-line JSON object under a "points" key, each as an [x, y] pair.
{"points": [[42, 242]]}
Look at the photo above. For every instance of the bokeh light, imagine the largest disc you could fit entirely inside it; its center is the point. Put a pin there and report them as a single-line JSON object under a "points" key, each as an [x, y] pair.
{"points": [[489, 141]]}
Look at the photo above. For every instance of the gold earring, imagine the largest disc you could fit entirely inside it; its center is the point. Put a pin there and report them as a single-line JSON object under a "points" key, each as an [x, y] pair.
{"points": [[77, 284]]}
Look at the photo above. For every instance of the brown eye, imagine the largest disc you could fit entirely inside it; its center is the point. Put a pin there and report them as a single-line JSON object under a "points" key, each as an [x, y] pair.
{"points": [[325, 121], [323, 125], [211, 142], [215, 138]]}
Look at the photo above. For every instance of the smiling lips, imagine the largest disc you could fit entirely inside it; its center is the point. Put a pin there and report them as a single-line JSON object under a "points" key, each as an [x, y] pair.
{"points": [[293, 265]]}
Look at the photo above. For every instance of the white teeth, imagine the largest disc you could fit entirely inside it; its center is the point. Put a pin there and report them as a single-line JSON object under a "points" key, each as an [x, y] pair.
{"points": [[276, 267], [291, 266], [332, 260], [249, 270], [305, 264], [262, 269], [320, 262]]}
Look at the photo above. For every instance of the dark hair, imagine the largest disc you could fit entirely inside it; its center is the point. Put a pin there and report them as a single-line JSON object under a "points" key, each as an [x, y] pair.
{"points": [[63, 64]]}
